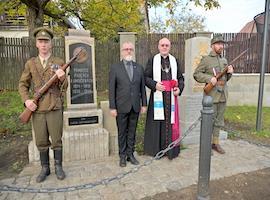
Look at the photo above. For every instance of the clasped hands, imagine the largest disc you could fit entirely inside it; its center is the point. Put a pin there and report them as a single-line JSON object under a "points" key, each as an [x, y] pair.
{"points": [[161, 87]]}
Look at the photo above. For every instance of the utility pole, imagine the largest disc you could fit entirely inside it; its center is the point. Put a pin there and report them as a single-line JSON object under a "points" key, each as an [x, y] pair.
{"points": [[264, 63]]}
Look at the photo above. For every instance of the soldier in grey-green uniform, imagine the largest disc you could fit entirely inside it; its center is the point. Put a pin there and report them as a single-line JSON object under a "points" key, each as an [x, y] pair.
{"points": [[206, 71], [47, 116]]}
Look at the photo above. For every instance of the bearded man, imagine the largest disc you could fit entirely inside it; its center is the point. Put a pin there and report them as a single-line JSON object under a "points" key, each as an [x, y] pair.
{"points": [[206, 72], [127, 98]]}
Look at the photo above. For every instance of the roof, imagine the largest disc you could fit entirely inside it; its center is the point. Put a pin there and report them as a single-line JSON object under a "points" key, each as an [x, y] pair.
{"points": [[251, 27]]}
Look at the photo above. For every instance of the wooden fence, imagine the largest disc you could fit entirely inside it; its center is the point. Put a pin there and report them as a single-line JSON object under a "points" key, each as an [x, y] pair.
{"points": [[239, 42], [146, 46], [14, 52]]}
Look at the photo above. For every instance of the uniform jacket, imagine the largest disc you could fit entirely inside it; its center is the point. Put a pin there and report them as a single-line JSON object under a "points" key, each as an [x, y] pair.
{"points": [[34, 74], [123, 93], [204, 72]]}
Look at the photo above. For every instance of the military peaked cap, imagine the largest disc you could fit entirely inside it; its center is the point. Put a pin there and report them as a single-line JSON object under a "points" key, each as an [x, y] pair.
{"points": [[217, 38], [43, 33]]}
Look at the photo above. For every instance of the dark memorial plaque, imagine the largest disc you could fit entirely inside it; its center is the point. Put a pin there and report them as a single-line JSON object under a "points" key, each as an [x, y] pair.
{"points": [[81, 77], [82, 120]]}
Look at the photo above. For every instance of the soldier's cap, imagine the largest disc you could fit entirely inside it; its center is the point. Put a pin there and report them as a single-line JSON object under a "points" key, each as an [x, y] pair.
{"points": [[217, 38], [43, 33]]}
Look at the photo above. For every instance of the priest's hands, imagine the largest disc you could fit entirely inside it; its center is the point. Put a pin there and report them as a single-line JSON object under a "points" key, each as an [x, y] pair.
{"points": [[160, 86], [176, 91]]}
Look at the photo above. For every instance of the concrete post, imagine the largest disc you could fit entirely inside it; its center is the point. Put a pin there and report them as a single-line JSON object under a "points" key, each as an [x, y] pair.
{"points": [[205, 148]]}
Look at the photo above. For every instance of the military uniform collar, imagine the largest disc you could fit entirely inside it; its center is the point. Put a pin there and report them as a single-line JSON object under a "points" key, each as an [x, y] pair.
{"points": [[214, 54]]}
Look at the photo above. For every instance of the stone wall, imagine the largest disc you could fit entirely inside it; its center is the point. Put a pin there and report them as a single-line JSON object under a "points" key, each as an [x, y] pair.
{"points": [[244, 90]]}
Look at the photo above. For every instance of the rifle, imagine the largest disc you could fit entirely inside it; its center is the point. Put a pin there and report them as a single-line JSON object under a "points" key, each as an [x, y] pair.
{"points": [[209, 86], [80, 55]]}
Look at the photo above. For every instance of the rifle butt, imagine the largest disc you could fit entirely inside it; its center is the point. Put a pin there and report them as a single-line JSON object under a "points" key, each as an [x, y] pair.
{"points": [[25, 116], [207, 89]]}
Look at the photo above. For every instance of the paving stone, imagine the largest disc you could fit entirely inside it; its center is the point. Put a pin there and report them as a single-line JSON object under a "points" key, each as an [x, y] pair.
{"points": [[3, 195], [174, 185], [160, 176]]}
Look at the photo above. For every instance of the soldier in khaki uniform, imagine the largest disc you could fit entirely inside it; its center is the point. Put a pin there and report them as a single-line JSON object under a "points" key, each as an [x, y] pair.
{"points": [[47, 116], [206, 71]]}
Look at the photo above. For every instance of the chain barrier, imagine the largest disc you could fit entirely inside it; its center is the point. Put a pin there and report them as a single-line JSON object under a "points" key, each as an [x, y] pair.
{"points": [[105, 181]]}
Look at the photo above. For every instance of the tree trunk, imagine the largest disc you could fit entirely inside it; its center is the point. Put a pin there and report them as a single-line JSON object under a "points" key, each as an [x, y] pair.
{"points": [[144, 10], [146, 17], [35, 19]]}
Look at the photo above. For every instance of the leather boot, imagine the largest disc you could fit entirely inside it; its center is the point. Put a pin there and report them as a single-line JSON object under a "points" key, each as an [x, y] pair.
{"points": [[60, 174], [45, 166], [122, 162], [218, 148], [132, 160]]}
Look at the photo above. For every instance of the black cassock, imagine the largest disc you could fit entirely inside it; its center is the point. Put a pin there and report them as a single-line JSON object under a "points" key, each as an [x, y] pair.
{"points": [[158, 133]]}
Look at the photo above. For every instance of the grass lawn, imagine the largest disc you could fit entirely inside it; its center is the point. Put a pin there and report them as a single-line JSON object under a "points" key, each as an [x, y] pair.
{"points": [[242, 120]]}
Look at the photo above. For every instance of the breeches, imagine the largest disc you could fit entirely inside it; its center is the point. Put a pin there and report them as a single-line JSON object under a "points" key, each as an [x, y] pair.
{"points": [[47, 125], [219, 109]]}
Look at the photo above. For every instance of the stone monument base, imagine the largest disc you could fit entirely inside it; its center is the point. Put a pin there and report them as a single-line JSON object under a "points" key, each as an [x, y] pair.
{"points": [[88, 144]]}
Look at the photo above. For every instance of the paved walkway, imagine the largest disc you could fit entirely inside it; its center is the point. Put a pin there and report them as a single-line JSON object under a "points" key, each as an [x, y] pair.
{"points": [[160, 176]]}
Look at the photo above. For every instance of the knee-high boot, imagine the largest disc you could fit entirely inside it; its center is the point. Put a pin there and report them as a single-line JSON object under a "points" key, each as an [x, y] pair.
{"points": [[45, 166], [58, 157]]}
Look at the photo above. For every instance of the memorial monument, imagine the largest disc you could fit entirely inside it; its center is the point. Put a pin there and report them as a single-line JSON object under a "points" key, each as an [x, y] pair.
{"points": [[84, 137]]}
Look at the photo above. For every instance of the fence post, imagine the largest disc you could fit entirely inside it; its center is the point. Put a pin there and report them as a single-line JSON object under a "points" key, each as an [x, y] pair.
{"points": [[205, 148]]}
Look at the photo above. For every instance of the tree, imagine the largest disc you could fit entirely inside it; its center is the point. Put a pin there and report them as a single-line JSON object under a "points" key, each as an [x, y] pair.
{"points": [[171, 5], [104, 18], [183, 21], [36, 11]]}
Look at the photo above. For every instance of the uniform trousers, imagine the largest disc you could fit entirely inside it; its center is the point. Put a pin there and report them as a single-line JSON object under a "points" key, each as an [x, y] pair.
{"points": [[48, 124], [219, 109]]}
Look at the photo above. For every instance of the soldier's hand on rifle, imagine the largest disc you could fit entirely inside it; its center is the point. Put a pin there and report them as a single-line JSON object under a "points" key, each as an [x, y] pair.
{"points": [[230, 69], [213, 80], [160, 86], [60, 74], [30, 105]]}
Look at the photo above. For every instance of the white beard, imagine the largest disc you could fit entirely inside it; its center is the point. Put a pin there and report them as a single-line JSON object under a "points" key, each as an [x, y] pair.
{"points": [[128, 58]]}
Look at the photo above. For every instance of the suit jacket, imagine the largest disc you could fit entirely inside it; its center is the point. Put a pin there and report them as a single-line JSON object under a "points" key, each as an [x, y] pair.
{"points": [[123, 93], [35, 74], [204, 72]]}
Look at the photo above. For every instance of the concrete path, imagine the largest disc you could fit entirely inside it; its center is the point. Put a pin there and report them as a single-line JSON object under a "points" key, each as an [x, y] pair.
{"points": [[160, 176]]}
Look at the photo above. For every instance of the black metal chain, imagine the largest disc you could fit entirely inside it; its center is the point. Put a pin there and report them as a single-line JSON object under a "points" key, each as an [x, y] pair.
{"points": [[105, 181]]}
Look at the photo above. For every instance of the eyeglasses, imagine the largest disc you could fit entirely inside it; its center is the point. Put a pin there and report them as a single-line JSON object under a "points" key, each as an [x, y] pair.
{"points": [[128, 49], [165, 45]]}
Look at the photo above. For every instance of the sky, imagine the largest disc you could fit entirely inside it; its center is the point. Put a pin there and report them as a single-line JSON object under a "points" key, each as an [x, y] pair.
{"points": [[230, 17]]}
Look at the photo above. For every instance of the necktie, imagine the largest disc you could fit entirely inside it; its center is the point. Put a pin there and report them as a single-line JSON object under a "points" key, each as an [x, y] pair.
{"points": [[44, 63], [130, 70]]}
